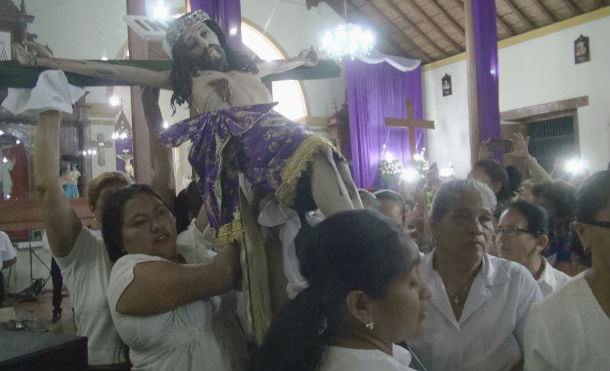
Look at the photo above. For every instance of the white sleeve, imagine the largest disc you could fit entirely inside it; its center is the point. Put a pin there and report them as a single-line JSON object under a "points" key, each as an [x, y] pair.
{"points": [[121, 276], [529, 293], [538, 349], [196, 246], [6, 248], [85, 251]]}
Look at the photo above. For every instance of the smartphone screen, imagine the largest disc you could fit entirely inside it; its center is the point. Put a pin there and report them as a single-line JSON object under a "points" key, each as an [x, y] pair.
{"points": [[499, 145]]}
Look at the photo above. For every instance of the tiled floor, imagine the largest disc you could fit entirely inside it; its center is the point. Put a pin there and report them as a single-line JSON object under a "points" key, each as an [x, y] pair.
{"points": [[41, 310]]}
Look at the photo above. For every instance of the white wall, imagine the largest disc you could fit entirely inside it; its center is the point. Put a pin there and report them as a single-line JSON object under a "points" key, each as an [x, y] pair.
{"points": [[296, 28], [542, 70], [449, 142], [536, 71], [80, 29]]}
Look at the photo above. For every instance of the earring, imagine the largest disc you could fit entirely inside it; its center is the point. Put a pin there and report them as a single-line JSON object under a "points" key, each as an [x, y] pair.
{"points": [[370, 325]]}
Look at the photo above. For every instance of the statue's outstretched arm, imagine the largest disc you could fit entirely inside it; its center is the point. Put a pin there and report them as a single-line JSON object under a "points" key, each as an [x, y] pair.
{"points": [[38, 56], [307, 58]]}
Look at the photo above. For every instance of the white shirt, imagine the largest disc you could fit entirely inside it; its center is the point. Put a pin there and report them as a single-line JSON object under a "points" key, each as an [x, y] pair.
{"points": [[181, 339], [7, 251], [551, 279], [194, 245], [568, 331], [85, 272], [488, 335], [350, 359]]}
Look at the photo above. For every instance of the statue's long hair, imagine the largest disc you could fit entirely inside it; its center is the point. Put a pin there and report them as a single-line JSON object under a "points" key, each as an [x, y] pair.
{"points": [[184, 68]]}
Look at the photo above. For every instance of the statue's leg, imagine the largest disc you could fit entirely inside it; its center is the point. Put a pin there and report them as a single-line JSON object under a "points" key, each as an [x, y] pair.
{"points": [[327, 187], [346, 175]]}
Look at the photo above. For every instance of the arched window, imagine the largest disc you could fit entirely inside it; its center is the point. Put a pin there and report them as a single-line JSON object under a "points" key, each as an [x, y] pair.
{"points": [[288, 94]]}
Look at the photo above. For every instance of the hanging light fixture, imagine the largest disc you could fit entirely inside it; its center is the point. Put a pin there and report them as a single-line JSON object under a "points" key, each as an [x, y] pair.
{"points": [[122, 129], [347, 40]]}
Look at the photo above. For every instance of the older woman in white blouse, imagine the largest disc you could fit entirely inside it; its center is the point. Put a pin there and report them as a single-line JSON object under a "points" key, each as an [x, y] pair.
{"points": [[479, 302]]}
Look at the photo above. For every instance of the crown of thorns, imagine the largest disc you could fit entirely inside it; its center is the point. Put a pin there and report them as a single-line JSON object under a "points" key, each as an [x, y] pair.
{"points": [[177, 27]]}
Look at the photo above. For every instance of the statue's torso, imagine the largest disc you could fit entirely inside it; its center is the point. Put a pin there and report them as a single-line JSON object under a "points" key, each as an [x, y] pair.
{"points": [[214, 90]]}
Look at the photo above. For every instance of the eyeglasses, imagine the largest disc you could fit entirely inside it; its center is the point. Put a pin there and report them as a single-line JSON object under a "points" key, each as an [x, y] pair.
{"points": [[511, 231]]}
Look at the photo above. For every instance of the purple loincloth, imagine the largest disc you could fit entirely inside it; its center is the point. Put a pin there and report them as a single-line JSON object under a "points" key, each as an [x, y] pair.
{"points": [[271, 151]]}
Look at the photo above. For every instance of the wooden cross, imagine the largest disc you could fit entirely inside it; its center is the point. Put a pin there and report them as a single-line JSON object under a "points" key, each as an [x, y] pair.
{"points": [[410, 123], [101, 146]]}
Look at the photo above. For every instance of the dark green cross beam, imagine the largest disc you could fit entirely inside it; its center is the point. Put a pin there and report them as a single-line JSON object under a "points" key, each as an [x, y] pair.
{"points": [[14, 75]]}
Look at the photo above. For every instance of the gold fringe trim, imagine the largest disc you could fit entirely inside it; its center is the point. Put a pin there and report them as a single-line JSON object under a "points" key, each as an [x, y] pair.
{"points": [[230, 232], [297, 163]]}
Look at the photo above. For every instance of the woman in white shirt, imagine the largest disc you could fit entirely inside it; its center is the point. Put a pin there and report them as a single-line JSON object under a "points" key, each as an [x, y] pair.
{"points": [[161, 306], [570, 330], [479, 302], [364, 294], [522, 236]]}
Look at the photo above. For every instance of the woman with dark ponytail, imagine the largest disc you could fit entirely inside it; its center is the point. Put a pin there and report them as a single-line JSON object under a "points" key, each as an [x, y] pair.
{"points": [[365, 293]]}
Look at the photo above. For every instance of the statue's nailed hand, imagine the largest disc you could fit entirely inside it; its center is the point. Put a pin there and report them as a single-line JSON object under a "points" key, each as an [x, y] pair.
{"points": [[28, 54], [309, 57]]}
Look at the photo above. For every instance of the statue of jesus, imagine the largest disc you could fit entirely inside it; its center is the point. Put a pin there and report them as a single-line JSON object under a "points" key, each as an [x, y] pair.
{"points": [[236, 134]]}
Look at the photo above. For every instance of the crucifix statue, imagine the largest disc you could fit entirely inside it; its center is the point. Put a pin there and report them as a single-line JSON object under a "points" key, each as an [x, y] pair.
{"points": [[411, 123], [101, 145]]}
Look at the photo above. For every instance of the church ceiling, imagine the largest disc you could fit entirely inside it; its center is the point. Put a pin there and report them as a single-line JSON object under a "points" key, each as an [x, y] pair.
{"points": [[431, 30]]}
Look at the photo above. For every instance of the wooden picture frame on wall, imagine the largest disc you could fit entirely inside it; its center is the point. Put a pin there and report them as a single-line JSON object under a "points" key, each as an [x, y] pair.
{"points": [[582, 53], [446, 85]]}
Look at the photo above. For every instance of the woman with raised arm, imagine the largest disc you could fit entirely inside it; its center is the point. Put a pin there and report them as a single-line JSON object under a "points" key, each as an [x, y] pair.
{"points": [[78, 250], [162, 301], [364, 295]]}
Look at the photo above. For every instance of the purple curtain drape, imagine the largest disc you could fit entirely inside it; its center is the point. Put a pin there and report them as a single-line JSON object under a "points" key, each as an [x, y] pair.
{"points": [[486, 55], [374, 92], [228, 15]]}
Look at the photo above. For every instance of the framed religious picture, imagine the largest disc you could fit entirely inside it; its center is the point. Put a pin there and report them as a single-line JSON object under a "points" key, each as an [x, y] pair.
{"points": [[581, 50], [446, 85]]}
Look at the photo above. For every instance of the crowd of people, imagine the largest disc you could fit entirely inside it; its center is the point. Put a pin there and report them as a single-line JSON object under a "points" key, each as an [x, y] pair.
{"points": [[494, 274]]}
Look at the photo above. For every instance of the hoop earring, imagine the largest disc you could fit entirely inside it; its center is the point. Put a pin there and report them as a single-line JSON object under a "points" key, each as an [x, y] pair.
{"points": [[370, 325]]}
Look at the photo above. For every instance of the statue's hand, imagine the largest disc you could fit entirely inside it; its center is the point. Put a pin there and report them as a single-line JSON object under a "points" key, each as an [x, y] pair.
{"points": [[28, 56], [310, 57], [41, 51]]}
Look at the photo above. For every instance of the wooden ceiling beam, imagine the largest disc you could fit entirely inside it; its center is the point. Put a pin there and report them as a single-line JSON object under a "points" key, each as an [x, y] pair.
{"points": [[338, 8], [449, 17], [396, 10], [544, 10], [499, 19], [505, 25], [528, 22], [573, 7], [435, 26], [423, 55]]}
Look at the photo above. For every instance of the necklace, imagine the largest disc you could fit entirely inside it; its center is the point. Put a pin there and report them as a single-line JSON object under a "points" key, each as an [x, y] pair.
{"points": [[457, 299]]}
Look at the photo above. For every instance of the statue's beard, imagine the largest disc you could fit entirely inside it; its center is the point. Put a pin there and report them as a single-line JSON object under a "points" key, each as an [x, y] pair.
{"points": [[214, 58]]}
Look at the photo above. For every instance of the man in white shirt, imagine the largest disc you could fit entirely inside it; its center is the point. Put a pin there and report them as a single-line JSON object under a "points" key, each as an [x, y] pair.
{"points": [[9, 257]]}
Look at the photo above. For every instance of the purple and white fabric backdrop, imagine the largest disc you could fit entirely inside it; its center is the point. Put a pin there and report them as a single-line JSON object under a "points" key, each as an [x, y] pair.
{"points": [[375, 92]]}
